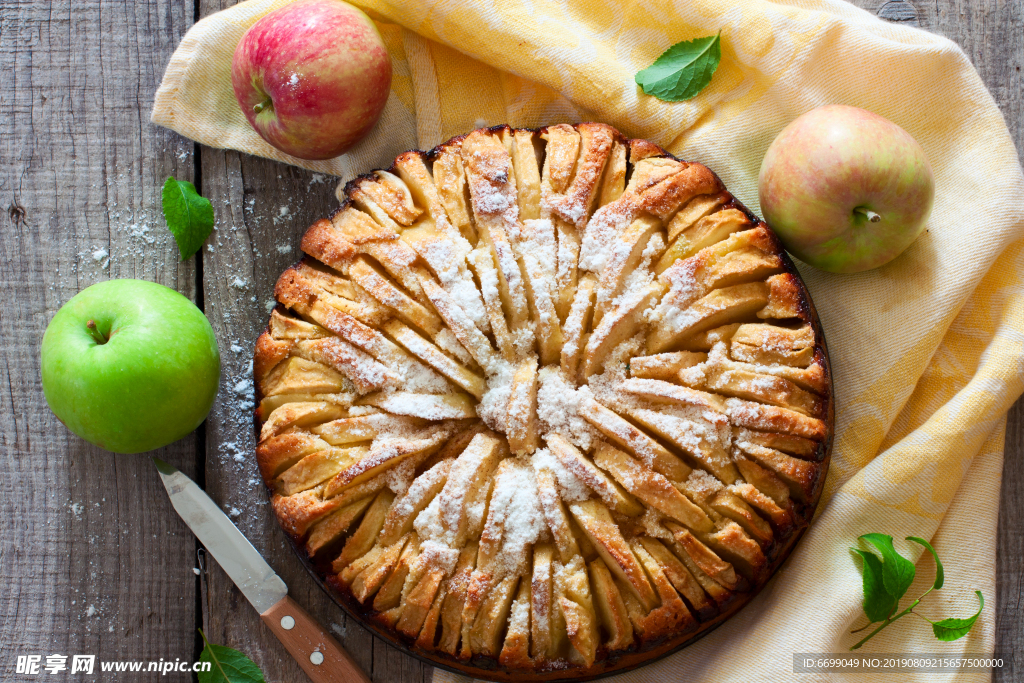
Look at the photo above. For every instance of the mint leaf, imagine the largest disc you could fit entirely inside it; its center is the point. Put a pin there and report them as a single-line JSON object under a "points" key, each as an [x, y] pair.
{"points": [[897, 571], [228, 666], [940, 574], [886, 581], [954, 629], [878, 602], [189, 217], [683, 70]]}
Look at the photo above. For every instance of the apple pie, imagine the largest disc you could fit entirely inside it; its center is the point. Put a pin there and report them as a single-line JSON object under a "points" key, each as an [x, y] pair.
{"points": [[541, 405]]}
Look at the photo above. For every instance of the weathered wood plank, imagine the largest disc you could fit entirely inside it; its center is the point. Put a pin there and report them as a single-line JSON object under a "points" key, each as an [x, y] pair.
{"points": [[241, 264], [92, 557], [1010, 545]]}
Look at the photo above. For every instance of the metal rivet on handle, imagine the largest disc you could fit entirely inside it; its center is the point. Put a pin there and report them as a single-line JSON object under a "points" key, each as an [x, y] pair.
{"points": [[287, 623], [317, 658]]}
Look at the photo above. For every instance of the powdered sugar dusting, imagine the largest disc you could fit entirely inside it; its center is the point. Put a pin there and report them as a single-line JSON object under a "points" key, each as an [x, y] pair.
{"points": [[703, 483], [674, 311], [558, 403], [570, 486], [494, 405], [437, 555], [606, 223], [516, 502]]}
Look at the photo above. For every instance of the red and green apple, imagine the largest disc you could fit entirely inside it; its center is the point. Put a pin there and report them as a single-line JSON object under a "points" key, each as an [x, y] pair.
{"points": [[845, 189], [312, 77]]}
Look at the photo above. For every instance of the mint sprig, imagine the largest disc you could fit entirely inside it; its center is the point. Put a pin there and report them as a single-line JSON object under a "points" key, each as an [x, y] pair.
{"points": [[228, 665], [189, 217], [886, 581], [683, 70]]}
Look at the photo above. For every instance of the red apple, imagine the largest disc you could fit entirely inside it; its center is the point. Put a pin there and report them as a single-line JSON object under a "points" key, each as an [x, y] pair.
{"points": [[312, 77], [845, 189]]}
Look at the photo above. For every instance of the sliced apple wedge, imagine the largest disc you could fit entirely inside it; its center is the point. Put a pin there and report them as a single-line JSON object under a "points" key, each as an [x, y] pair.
{"points": [[680, 577], [332, 526], [400, 517], [704, 233], [626, 250], [610, 606], [720, 307], [621, 323], [317, 468], [426, 406], [523, 427], [596, 521], [388, 453], [363, 428], [625, 434], [578, 324], [360, 542], [651, 487], [539, 256], [577, 463], [694, 210], [664, 366], [435, 358], [300, 375]]}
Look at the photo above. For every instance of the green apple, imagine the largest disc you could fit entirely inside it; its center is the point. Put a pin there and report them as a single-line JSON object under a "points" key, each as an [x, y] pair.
{"points": [[845, 189], [130, 365]]}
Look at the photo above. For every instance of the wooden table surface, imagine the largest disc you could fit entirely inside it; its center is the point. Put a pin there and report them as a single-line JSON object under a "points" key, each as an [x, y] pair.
{"points": [[92, 557]]}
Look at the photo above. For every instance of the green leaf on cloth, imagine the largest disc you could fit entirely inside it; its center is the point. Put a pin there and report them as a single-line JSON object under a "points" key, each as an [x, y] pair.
{"points": [[897, 571], [879, 604], [683, 70], [954, 629], [940, 573], [189, 217], [228, 665], [886, 580]]}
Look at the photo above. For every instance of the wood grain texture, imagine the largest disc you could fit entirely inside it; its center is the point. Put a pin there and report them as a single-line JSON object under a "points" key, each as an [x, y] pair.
{"points": [[80, 172], [1010, 547], [81, 169]]}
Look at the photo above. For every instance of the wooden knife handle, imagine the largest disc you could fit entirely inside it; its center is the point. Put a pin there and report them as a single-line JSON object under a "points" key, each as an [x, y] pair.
{"points": [[319, 655]]}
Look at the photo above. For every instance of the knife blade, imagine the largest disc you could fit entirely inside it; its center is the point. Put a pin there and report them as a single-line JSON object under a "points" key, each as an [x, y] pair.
{"points": [[319, 655], [222, 539]]}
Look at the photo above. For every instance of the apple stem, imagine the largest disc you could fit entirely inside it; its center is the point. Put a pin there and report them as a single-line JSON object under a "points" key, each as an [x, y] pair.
{"points": [[262, 105], [96, 334], [868, 213]]}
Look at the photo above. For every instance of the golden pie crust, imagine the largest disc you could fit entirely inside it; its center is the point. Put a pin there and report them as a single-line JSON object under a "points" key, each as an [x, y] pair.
{"points": [[542, 405]]}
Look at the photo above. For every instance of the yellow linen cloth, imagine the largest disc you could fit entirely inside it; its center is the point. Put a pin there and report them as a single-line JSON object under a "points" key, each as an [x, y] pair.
{"points": [[927, 351]]}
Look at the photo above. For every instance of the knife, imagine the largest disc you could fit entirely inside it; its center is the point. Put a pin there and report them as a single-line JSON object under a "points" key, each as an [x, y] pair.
{"points": [[319, 655]]}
